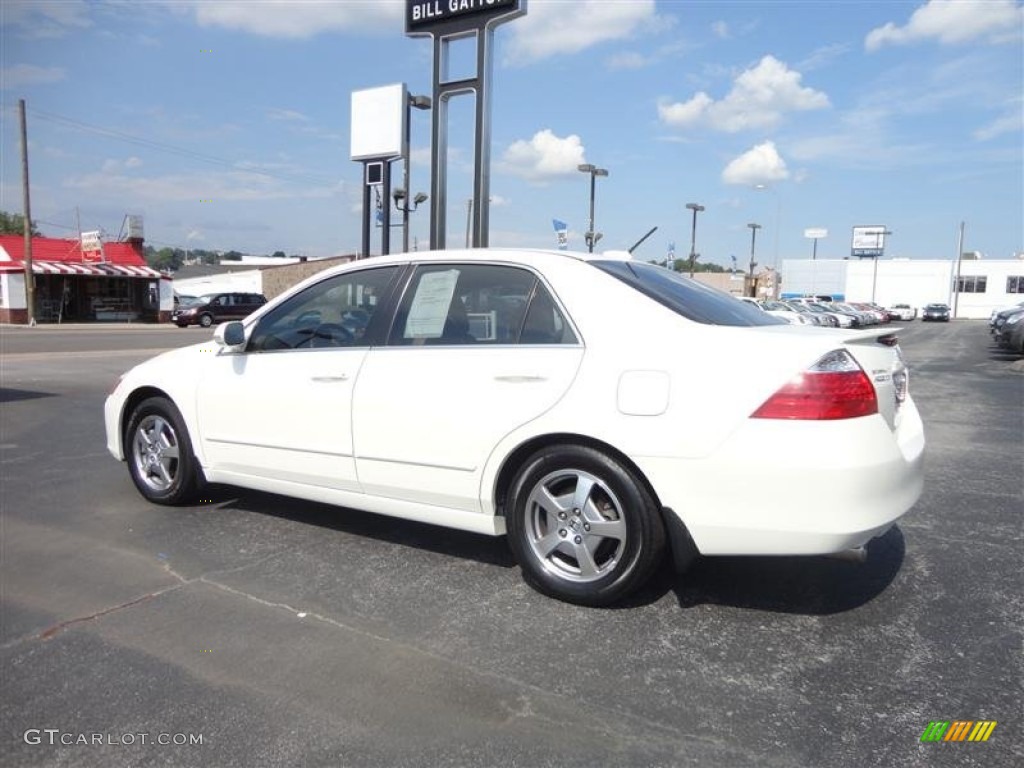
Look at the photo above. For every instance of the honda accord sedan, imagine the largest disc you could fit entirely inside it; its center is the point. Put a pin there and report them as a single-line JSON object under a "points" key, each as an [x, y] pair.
{"points": [[602, 413]]}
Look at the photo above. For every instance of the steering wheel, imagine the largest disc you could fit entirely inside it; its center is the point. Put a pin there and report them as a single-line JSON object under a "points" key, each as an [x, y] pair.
{"points": [[331, 335]]}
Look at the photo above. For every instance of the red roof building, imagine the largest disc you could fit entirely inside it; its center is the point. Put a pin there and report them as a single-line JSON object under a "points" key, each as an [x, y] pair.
{"points": [[76, 285]]}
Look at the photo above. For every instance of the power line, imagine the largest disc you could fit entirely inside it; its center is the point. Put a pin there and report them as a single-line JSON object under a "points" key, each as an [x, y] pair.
{"points": [[171, 149]]}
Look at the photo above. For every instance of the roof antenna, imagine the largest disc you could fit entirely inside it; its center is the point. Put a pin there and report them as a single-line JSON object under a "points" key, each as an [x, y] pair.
{"points": [[637, 243]]}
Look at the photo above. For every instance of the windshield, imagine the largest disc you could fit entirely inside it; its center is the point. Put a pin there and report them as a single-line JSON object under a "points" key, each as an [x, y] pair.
{"points": [[686, 297]]}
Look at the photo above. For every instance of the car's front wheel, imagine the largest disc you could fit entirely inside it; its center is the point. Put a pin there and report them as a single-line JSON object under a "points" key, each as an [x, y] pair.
{"points": [[206, 320], [160, 457], [583, 527]]}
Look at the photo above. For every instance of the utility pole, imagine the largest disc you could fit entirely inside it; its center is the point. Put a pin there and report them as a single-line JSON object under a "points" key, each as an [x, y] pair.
{"points": [[30, 288], [959, 258], [469, 219]]}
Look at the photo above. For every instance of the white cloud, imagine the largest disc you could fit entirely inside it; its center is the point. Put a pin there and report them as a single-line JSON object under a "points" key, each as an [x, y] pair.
{"points": [[38, 19], [627, 60], [195, 235], [721, 30], [117, 166], [28, 74], [544, 157], [760, 165], [295, 20], [759, 99], [953, 21], [287, 115], [554, 27], [497, 201], [217, 187], [1011, 123]]}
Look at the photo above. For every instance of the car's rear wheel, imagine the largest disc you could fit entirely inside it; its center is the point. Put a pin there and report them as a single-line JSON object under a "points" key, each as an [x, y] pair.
{"points": [[160, 457], [206, 320], [583, 527]]}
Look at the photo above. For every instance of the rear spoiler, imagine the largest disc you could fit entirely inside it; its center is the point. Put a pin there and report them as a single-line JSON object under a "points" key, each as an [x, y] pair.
{"points": [[886, 336]]}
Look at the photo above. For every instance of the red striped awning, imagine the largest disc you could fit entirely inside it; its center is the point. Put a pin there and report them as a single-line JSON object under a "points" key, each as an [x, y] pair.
{"points": [[80, 268]]}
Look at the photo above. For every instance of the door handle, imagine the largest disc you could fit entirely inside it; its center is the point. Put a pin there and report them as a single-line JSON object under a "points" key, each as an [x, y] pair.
{"points": [[520, 379], [329, 379]]}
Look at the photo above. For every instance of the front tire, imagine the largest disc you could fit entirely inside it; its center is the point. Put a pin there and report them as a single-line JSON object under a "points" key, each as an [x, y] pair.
{"points": [[583, 527], [206, 320], [159, 453]]}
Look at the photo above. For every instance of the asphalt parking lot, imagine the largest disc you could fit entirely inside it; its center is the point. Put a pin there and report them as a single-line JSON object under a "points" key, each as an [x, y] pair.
{"points": [[277, 632]]}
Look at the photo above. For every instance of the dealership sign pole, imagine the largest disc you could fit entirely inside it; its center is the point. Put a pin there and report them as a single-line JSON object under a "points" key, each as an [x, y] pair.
{"points": [[445, 21], [815, 234], [378, 137]]}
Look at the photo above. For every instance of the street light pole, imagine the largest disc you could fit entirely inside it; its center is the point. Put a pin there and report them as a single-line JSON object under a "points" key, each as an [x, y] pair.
{"points": [[693, 233], [412, 102], [592, 236], [753, 240]]}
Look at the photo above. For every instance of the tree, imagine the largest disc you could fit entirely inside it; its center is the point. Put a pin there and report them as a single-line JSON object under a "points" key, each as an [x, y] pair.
{"points": [[278, 255], [14, 224]]}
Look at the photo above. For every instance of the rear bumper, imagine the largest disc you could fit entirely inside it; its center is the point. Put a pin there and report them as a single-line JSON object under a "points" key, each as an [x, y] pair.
{"points": [[797, 488]]}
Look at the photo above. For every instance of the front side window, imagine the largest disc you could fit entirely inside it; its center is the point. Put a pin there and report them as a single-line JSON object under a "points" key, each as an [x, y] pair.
{"points": [[686, 297], [478, 304], [332, 313]]}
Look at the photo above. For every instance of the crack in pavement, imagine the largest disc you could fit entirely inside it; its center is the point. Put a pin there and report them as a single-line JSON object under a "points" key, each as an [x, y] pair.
{"points": [[54, 630]]}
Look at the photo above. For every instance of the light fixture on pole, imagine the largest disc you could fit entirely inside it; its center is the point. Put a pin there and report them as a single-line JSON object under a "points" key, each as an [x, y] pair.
{"points": [[753, 240], [412, 102], [696, 208], [592, 236]]}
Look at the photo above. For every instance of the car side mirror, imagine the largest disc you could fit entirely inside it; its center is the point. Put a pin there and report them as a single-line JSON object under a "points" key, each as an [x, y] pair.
{"points": [[230, 335]]}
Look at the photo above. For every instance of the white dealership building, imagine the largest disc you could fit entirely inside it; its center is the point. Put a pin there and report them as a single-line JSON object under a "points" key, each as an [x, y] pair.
{"points": [[973, 287]]}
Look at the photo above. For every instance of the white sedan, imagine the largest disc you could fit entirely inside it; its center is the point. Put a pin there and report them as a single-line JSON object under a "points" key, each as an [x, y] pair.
{"points": [[602, 412]]}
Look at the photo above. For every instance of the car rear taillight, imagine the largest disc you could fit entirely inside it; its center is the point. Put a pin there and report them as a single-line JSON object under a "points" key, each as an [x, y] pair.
{"points": [[835, 387]]}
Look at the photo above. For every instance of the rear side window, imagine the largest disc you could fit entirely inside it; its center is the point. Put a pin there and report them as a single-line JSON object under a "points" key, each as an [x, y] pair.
{"points": [[686, 297], [478, 304]]}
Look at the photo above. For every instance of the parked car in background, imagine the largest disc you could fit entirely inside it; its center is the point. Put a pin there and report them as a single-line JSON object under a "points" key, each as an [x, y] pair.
{"points": [[597, 452], [216, 308], [861, 317], [879, 314], [788, 313], [936, 312], [904, 311], [815, 318], [1004, 324], [997, 310], [839, 319], [1013, 338]]}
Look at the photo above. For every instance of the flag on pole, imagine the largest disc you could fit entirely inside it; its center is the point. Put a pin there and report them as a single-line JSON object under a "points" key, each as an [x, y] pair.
{"points": [[562, 233]]}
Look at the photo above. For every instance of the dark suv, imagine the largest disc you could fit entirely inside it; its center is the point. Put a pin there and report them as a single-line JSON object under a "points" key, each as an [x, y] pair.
{"points": [[217, 308]]}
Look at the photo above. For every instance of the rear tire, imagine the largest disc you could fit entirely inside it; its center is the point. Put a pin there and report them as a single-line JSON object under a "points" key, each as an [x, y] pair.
{"points": [[583, 527], [159, 453]]}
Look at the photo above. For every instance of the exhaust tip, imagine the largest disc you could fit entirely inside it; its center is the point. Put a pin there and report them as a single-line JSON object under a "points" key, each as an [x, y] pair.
{"points": [[855, 555]]}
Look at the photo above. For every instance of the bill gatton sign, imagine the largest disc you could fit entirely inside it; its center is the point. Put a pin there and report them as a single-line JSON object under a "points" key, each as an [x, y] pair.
{"points": [[421, 15]]}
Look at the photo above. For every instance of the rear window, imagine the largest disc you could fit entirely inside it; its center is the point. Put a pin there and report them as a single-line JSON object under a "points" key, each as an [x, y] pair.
{"points": [[686, 297]]}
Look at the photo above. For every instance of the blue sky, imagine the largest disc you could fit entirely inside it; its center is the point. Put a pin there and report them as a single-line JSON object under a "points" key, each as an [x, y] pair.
{"points": [[226, 124]]}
